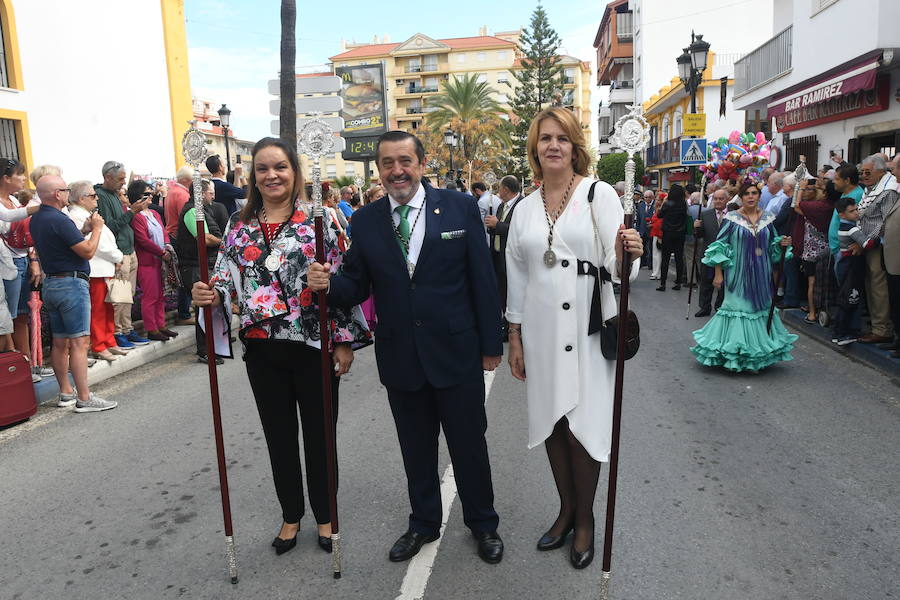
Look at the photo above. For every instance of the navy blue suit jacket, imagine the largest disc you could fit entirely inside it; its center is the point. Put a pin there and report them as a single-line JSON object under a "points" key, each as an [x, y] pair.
{"points": [[436, 326]]}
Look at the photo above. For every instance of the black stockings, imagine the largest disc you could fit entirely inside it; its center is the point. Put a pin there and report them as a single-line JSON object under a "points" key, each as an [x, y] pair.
{"points": [[576, 475]]}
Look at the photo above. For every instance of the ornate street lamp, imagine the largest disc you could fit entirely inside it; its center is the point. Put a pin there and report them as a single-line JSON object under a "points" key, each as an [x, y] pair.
{"points": [[450, 140], [224, 120]]}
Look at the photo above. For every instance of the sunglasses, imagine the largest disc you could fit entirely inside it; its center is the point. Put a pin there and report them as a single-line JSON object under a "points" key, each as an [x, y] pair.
{"points": [[147, 195]]}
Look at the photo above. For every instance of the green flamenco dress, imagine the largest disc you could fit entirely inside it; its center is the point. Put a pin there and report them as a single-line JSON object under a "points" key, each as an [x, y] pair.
{"points": [[736, 337]]}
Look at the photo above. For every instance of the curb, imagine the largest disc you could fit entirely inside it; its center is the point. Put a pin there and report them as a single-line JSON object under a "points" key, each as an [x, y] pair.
{"points": [[869, 354], [47, 389]]}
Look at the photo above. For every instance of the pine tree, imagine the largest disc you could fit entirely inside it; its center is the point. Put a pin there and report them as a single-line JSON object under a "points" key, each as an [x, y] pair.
{"points": [[539, 79]]}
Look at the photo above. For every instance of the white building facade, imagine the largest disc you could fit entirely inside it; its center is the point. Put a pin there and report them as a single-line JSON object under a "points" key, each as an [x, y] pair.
{"points": [[844, 101], [77, 90], [662, 28]]}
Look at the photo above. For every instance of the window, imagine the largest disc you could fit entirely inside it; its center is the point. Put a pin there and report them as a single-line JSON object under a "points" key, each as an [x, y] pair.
{"points": [[461, 57], [331, 156], [331, 171], [349, 169], [481, 78], [431, 62], [502, 98], [502, 77], [501, 55], [481, 56], [569, 76], [677, 126], [820, 5], [9, 143]]}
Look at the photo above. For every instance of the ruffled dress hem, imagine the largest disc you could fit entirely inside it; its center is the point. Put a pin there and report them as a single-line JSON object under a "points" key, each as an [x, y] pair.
{"points": [[738, 341]]}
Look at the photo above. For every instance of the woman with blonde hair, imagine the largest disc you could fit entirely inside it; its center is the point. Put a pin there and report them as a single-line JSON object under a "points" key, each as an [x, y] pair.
{"points": [[565, 242], [104, 264]]}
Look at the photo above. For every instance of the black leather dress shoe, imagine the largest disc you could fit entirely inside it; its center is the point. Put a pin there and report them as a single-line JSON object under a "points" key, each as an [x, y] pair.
{"points": [[661, 288], [580, 560], [409, 545], [325, 543], [676, 287], [281, 545], [490, 546], [552, 542], [703, 312]]}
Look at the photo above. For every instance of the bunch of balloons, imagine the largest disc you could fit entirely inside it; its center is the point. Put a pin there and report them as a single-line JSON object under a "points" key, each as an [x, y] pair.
{"points": [[738, 155]]}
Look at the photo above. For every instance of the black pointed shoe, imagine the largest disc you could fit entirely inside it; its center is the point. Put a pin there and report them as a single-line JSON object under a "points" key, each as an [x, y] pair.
{"points": [[580, 560], [325, 543], [490, 546], [552, 542], [409, 545], [281, 545]]}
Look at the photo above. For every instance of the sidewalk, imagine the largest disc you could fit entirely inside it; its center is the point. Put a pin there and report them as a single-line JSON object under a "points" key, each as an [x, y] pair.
{"points": [[870, 354], [47, 389]]}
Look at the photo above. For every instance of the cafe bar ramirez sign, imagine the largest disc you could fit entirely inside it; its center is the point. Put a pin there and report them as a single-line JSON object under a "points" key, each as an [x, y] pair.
{"points": [[851, 92]]}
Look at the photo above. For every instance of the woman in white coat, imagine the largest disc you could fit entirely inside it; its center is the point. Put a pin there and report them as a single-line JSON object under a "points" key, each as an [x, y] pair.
{"points": [[82, 202], [569, 383]]}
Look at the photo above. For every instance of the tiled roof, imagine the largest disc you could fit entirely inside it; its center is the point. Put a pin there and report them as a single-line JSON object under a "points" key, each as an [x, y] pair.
{"points": [[480, 41]]}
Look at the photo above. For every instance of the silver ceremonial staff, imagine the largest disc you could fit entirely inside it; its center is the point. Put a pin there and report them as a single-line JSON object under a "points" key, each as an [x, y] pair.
{"points": [[314, 139], [631, 135], [193, 147]]}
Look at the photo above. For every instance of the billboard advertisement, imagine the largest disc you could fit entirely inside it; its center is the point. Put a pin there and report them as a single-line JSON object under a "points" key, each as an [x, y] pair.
{"points": [[365, 105]]}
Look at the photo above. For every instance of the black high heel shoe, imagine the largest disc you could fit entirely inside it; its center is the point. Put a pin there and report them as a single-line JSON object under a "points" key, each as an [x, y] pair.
{"points": [[581, 560], [325, 543], [281, 545], [552, 542]]}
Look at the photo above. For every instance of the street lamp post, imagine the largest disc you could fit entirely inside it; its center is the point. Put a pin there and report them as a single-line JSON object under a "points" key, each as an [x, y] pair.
{"points": [[691, 65], [224, 119], [450, 139]]}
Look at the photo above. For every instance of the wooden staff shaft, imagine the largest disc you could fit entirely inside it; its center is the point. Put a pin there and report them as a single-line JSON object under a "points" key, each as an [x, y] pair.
{"points": [[327, 402], [617, 404], [214, 396]]}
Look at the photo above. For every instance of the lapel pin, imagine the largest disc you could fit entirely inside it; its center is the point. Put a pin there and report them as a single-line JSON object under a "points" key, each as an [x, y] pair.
{"points": [[437, 211]]}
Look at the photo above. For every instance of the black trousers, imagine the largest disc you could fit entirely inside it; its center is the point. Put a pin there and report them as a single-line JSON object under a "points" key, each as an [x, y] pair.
{"points": [[285, 375], [706, 275], [672, 244], [893, 282], [459, 411], [499, 261]]}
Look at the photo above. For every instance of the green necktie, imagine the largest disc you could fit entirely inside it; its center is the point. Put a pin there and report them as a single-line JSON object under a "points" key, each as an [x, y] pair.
{"points": [[403, 228]]}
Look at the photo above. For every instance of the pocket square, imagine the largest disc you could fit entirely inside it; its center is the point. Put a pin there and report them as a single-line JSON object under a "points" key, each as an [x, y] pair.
{"points": [[453, 235]]}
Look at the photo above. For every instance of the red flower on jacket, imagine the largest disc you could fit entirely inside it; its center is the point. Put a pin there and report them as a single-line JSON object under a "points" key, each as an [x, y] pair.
{"points": [[298, 217], [251, 253], [256, 333], [306, 297]]}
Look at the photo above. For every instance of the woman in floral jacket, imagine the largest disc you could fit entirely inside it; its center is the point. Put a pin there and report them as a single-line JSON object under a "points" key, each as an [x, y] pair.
{"points": [[262, 268]]}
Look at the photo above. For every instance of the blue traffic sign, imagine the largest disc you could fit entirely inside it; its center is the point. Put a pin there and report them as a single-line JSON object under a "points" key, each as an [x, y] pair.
{"points": [[693, 151]]}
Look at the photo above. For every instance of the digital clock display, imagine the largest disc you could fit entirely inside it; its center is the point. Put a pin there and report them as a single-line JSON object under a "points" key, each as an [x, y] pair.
{"points": [[360, 148]]}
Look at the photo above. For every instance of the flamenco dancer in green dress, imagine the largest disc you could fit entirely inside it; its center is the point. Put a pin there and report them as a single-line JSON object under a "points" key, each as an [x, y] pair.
{"points": [[736, 337]]}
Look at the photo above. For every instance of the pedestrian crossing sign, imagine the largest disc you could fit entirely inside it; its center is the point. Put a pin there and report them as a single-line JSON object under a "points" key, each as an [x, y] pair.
{"points": [[693, 151]]}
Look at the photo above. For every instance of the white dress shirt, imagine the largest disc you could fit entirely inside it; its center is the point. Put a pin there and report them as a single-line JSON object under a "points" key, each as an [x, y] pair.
{"points": [[417, 233]]}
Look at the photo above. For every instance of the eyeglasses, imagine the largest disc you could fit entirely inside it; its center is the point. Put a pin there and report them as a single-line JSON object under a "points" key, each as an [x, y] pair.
{"points": [[91, 195], [147, 195]]}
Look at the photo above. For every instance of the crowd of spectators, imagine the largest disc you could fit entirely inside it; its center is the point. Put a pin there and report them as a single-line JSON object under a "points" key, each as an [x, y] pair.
{"points": [[845, 269]]}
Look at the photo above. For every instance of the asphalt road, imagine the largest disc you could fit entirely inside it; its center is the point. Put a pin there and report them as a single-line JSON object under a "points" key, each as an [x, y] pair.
{"points": [[770, 486]]}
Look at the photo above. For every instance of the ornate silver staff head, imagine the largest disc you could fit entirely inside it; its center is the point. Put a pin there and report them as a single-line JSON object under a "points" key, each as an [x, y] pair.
{"points": [[490, 179], [314, 139], [359, 183], [193, 148], [632, 134]]}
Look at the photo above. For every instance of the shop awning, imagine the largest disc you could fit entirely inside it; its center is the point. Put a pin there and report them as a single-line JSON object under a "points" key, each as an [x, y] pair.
{"points": [[858, 76]]}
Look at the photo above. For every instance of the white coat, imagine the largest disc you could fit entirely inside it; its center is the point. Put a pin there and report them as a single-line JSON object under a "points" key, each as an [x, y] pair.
{"points": [[566, 374], [103, 264]]}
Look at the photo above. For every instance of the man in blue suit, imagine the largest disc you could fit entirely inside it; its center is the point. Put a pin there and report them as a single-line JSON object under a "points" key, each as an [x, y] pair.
{"points": [[422, 252]]}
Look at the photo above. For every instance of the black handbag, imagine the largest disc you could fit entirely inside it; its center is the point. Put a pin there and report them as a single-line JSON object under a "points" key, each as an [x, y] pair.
{"points": [[609, 329]]}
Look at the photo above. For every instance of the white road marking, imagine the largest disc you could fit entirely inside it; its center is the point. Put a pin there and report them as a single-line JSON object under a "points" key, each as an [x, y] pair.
{"points": [[419, 570]]}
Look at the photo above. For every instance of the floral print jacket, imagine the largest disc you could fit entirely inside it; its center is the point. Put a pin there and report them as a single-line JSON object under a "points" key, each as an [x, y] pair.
{"points": [[279, 305]]}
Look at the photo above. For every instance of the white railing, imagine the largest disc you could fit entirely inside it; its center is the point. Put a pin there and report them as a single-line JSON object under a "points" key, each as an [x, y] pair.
{"points": [[768, 62]]}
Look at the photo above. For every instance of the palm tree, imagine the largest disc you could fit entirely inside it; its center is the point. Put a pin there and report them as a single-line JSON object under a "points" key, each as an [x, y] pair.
{"points": [[287, 129], [464, 98]]}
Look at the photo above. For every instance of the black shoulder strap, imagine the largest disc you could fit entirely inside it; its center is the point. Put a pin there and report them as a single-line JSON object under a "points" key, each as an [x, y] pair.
{"points": [[591, 192]]}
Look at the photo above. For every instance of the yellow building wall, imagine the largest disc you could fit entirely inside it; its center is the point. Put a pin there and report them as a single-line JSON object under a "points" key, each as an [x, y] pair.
{"points": [[180, 102]]}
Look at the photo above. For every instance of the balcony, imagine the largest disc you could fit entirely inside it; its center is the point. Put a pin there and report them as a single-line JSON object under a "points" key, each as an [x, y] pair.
{"points": [[767, 63], [667, 152], [621, 92], [624, 26]]}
